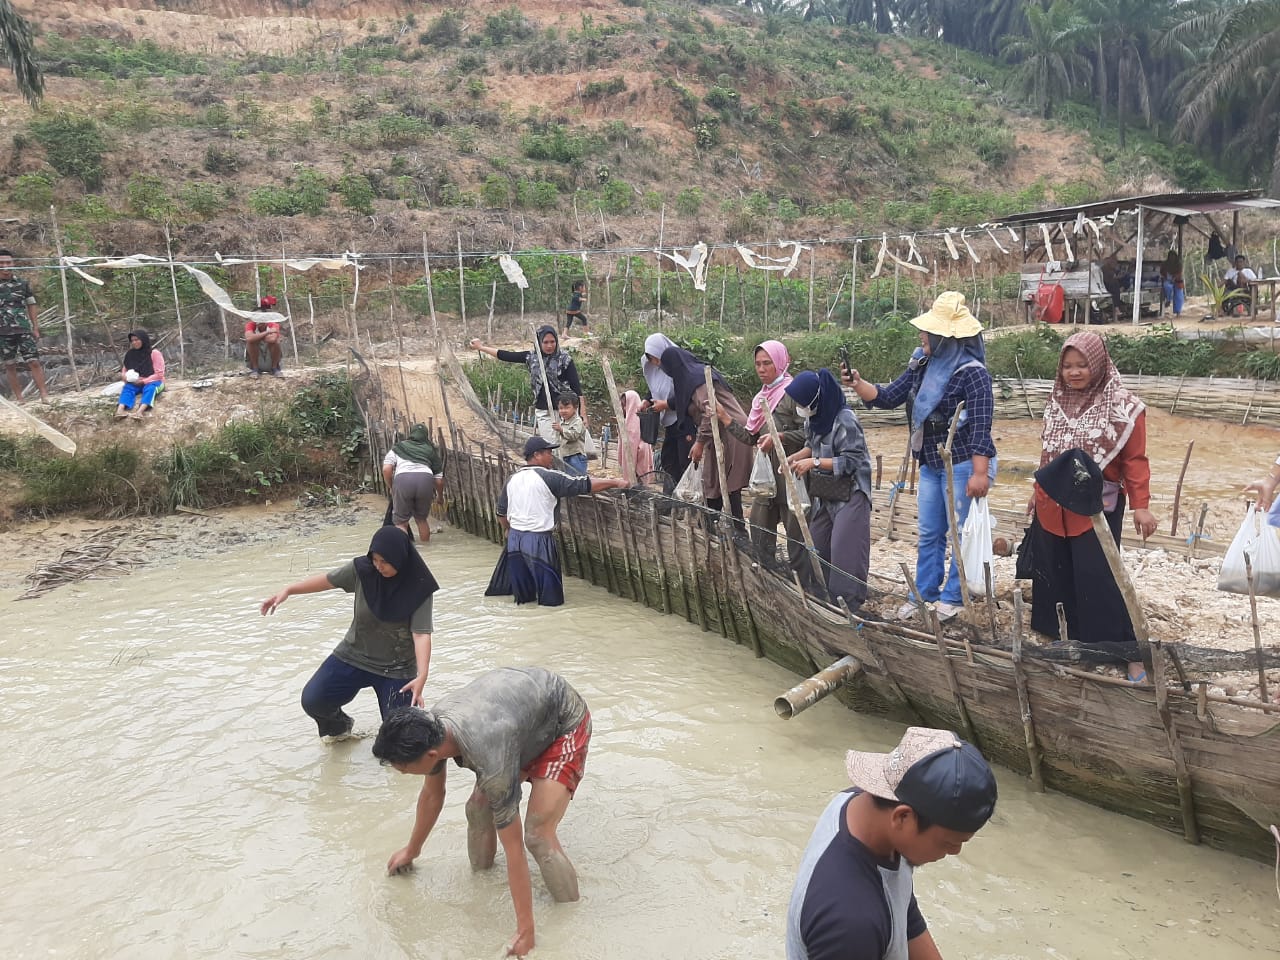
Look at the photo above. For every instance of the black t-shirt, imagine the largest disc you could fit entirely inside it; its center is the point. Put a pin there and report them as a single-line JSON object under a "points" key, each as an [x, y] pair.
{"points": [[575, 303], [847, 903]]}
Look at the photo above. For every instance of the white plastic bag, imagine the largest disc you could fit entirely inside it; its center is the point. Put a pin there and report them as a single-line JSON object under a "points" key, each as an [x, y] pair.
{"points": [[762, 481], [689, 489], [1261, 542], [975, 546], [800, 503], [589, 447]]}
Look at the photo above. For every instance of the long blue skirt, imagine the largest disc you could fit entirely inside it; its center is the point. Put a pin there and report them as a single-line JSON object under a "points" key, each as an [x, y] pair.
{"points": [[529, 570]]}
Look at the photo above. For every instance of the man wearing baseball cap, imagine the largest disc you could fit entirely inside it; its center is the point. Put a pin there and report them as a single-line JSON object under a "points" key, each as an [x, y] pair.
{"points": [[916, 804], [528, 508]]}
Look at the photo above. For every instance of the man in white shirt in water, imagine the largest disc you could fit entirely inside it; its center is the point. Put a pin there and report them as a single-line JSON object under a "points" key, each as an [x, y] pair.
{"points": [[527, 508]]}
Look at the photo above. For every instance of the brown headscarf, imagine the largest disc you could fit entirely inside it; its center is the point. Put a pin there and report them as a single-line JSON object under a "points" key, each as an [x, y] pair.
{"points": [[1098, 419]]}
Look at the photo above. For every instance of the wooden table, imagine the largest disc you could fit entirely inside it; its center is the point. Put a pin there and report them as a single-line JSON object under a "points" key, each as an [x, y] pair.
{"points": [[1255, 289]]}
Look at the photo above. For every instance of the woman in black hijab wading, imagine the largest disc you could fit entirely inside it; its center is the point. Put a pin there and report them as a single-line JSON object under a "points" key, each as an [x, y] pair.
{"points": [[387, 646]]}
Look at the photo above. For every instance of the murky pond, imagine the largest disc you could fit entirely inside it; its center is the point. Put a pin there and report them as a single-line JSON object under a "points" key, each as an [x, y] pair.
{"points": [[165, 796]]}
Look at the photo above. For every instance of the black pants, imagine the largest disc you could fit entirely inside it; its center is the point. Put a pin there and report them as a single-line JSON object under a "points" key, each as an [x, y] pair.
{"points": [[1073, 571], [673, 457]]}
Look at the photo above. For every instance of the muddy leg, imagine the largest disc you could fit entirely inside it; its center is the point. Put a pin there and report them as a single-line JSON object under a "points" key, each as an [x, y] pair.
{"points": [[547, 803], [424, 528], [482, 838]]}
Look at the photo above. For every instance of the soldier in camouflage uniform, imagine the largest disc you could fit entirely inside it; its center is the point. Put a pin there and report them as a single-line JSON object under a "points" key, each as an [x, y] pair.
{"points": [[19, 328]]}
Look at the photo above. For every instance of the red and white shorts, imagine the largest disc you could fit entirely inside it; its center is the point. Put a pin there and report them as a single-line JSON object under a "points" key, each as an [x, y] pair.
{"points": [[565, 760]]}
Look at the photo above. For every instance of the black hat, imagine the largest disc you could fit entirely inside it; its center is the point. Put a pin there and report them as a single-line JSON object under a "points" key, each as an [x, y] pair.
{"points": [[1073, 480], [537, 445], [943, 778]]}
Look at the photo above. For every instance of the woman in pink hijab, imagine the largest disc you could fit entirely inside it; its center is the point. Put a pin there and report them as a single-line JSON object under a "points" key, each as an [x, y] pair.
{"points": [[641, 452], [772, 366]]}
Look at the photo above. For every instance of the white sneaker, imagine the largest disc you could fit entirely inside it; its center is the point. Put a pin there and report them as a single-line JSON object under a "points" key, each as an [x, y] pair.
{"points": [[908, 611], [947, 611]]}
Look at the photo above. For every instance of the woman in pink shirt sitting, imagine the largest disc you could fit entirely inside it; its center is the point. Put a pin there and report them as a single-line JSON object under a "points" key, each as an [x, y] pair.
{"points": [[143, 376]]}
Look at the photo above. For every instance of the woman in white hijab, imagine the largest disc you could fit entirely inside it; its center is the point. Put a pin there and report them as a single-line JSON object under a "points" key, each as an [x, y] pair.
{"points": [[678, 431]]}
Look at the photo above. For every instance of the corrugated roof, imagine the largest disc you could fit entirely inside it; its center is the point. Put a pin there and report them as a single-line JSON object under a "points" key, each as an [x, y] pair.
{"points": [[1181, 204]]}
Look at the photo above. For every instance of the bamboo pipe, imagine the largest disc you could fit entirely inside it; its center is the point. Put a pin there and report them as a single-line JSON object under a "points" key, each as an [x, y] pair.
{"points": [[855, 623], [808, 692]]}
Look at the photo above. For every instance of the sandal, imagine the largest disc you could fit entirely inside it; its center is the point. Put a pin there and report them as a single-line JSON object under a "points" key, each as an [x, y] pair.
{"points": [[1140, 678]]}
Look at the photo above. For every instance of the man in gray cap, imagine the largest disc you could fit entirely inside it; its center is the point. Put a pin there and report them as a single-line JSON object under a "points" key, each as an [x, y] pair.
{"points": [[919, 803], [528, 509]]}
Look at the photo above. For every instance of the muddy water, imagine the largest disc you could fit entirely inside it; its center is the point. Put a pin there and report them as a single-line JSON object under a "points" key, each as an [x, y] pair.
{"points": [[165, 797]]}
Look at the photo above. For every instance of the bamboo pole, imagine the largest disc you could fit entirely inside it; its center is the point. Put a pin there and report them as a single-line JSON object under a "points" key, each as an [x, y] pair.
{"points": [[659, 558], [662, 222], [606, 552], [462, 292], [626, 456], [793, 496], [693, 576], [629, 526], [626, 553], [1153, 648], [722, 605], [1177, 491], [311, 309], [812, 255], [853, 286], [1024, 696], [177, 309], [1257, 636], [66, 303], [718, 444], [945, 452], [288, 311], [493, 296], [948, 667]]}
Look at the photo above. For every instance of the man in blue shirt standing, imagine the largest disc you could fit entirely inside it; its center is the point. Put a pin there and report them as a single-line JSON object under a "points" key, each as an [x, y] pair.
{"points": [[923, 801]]}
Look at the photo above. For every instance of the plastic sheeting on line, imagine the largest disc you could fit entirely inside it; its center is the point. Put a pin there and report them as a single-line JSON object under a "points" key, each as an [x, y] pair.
{"points": [[757, 261], [511, 270], [695, 264]]}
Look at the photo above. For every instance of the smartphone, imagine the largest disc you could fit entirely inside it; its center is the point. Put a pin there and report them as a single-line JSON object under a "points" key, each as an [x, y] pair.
{"points": [[844, 362]]}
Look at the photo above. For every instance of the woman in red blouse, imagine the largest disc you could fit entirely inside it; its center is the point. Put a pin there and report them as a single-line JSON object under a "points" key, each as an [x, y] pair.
{"points": [[1090, 408]]}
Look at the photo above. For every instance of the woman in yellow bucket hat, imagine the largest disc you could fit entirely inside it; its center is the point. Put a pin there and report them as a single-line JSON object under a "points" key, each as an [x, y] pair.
{"points": [[948, 368]]}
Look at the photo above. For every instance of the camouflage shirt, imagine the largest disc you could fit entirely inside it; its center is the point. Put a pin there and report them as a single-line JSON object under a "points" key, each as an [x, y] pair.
{"points": [[15, 296]]}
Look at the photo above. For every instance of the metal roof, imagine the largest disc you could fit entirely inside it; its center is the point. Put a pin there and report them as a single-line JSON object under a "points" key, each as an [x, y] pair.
{"points": [[1179, 204]]}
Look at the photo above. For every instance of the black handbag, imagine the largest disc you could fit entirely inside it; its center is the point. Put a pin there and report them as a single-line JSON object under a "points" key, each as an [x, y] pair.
{"points": [[650, 424], [829, 486], [1025, 569]]}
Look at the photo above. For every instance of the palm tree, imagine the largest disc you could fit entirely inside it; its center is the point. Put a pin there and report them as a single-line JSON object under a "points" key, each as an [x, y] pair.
{"points": [[1241, 72], [1125, 32], [1049, 60], [19, 50]]}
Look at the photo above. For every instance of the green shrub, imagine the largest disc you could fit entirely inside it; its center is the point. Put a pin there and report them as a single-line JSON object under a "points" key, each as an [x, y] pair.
{"points": [[721, 98], [617, 197], [597, 89], [444, 31], [507, 26], [274, 202], [357, 192], [312, 191], [147, 197], [555, 145], [689, 201], [203, 199], [74, 145], [220, 160], [538, 194], [34, 191], [496, 191]]}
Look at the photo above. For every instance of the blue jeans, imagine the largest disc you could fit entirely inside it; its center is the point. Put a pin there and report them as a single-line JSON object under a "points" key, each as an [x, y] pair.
{"points": [[577, 463], [931, 502], [1175, 295], [336, 683]]}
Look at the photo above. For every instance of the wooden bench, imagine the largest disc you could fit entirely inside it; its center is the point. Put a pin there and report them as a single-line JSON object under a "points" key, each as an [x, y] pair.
{"points": [[1082, 287]]}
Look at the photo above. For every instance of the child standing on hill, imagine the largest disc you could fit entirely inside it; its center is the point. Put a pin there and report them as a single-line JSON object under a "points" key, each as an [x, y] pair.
{"points": [[575, 309], [573, 434]]}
